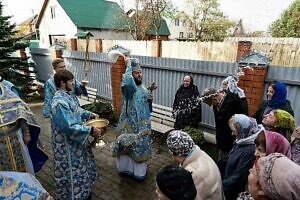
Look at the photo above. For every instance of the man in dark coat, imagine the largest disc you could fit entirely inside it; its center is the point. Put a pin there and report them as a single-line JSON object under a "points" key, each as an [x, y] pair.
{"points": [[225, 105]]}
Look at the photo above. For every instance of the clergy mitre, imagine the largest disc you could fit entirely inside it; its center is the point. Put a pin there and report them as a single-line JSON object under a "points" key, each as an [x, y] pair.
{"points": [[116, 51]]}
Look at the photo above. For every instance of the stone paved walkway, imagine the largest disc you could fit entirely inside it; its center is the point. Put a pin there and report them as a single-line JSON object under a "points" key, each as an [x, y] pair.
{"points": [[110, 186]]}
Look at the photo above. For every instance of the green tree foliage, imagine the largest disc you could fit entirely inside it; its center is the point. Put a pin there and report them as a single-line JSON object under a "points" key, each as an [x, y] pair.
{"points": [[208, 22], [11, 68], [288, 25]]}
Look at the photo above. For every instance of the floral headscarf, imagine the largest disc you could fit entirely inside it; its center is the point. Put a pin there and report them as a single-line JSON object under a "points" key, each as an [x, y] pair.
{"points": [[279, 97], [180, 143], [279, 177]]}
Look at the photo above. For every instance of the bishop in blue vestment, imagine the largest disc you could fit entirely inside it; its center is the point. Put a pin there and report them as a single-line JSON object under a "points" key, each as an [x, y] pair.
{"points": [[132, 146]]}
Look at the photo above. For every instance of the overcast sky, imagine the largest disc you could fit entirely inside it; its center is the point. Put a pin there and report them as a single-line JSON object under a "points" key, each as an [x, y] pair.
{"points": [[256, 14]]}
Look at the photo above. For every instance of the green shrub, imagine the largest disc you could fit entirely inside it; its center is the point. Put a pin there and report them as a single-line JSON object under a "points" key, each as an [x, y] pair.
{"points": [[196, 134], [104, 110]]}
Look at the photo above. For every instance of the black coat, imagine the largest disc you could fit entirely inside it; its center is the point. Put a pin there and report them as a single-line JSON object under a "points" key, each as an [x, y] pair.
{"points": [[240, 160], [231, 105], [187, 106], [259, 114]]}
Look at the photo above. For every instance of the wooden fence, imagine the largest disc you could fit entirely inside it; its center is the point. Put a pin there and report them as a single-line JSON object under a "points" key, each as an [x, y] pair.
{"points": [[285, 54]]}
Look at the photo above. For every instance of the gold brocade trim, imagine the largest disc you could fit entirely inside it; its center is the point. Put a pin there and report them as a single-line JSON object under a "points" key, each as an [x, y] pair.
{"points": [[10, 100], [130, 130], [14, 166], [7, 139], [11, 122]]}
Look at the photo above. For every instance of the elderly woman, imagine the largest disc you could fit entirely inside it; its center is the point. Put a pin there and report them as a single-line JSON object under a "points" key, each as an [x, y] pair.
{"points": [[175, 183], [241, 157], [273, 177], [276, 99], [281, 122], [186, 107], [268, 142], [204, 170], [295, 146]]}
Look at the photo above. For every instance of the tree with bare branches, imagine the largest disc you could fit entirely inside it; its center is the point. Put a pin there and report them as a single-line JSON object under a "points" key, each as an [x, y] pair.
{"points": [[208, 22]]}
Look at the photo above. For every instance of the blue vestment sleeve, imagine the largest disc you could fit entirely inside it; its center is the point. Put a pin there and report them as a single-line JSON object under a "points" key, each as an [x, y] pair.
{"points": [[67, 122], [15, 90], [80, 89], [85, 115], [49, 92], [128, 86]]}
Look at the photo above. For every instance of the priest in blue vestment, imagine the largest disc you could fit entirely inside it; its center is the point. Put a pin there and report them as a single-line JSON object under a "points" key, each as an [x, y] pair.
{"points": [[50, 88], [19, 133], [73, 161], [132, 147]]}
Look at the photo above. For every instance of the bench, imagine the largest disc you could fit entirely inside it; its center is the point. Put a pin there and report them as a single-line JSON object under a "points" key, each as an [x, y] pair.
{"points": [[161, 118], [162, 122], [90, 98]]}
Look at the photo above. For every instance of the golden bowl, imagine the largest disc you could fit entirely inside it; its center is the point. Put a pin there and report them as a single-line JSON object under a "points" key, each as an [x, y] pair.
{"points": [[100, 123], [84, 82]]}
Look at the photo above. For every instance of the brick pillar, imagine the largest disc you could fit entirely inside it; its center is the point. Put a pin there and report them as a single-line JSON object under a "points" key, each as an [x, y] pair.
{"points": [[58, 53], [156, 48], [73, 44], [253, 84], [117, 69], [244, 48], [99, 47]]}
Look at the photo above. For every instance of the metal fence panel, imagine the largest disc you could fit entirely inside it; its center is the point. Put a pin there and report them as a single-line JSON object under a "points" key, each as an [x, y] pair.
{"points": [[168, 74], [99, 77]]}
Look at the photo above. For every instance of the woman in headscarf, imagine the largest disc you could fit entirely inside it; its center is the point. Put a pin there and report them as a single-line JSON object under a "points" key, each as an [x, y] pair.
{"points": [[295, 146], [186, 107], [229, 84], [175, 183], [276, 99], [205, 172], [273, 177], [281, 122], [241, 157], [268, 142]]}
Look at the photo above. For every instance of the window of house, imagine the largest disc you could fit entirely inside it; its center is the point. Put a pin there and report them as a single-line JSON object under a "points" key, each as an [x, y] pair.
{"points": [[183, 23], [180, 34], [52, 10], [176, 22]]}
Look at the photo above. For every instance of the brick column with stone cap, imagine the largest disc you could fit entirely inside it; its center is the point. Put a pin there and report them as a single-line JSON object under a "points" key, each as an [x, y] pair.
{"points": [[117, 70], [253, 85], [253, 80], [244, 48]]}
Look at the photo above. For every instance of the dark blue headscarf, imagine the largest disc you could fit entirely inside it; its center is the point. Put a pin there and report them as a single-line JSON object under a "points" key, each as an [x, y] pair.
{"points": [[279, 97]]}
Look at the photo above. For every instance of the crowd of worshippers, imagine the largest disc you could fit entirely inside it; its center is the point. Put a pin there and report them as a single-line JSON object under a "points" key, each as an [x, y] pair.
{"points": [[258, 158]]}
